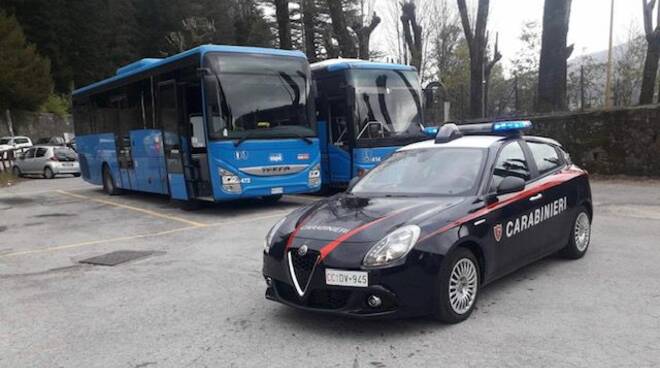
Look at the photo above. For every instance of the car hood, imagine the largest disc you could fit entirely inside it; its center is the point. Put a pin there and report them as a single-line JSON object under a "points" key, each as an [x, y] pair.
{"points": [[368, 219]]}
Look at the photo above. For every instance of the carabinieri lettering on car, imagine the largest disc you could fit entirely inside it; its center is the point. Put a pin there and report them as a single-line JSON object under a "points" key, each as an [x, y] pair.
{"points": [[422, 232]]}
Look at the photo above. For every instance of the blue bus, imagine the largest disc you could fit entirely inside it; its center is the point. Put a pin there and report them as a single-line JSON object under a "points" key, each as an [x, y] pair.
{"points": [[365, 111], [213, 123]]}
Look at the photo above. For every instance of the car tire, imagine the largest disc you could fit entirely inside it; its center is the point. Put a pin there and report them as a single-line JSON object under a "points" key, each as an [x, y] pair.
{"points": [[272, 199], [109, 182], [48, 173], [17, 172], [459, 281], [76, 175], [578, 242]]}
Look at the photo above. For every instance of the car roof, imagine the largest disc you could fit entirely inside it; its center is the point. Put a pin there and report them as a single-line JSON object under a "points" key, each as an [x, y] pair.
{"points": [[470, 141], [14, 137]]}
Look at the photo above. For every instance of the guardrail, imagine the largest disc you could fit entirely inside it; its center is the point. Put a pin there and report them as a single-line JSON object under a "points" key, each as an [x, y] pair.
{"points": [[7, 158]]}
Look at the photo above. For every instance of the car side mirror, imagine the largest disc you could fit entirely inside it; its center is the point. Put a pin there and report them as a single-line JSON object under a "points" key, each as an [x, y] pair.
{"points": [[510, 184]]}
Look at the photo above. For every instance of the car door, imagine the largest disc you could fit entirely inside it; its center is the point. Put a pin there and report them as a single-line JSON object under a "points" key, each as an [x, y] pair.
{"points": [[512, 240], [26, 164], [40, 158], [553, 201]]}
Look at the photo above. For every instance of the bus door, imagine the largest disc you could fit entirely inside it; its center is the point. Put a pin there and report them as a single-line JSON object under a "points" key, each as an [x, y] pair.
{"points": [[127, 179], [340, 140], [176, 142]]}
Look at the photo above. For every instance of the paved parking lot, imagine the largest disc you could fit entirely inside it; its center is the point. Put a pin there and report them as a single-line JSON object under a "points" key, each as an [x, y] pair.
{"points": [[197, 301]]}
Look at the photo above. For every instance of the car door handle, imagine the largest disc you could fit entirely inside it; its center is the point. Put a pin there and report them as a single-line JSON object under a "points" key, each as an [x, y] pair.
{"points": [[536, 197]]}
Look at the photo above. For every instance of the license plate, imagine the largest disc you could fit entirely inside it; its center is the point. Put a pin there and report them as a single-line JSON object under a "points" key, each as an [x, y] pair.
{"points": [[67, 165], [279, 190], [346, 278]]}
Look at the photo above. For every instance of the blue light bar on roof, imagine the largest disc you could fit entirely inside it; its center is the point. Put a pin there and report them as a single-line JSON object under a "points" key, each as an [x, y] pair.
{"points": [[506, 126]]}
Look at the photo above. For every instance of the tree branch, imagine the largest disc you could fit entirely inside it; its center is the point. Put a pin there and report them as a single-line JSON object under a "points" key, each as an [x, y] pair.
{"points": [[465, 20]]}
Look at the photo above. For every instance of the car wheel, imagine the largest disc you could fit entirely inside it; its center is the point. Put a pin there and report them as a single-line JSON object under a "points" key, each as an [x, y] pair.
{"points": [[272, 199], [48, 173], [76, 175], [578, 242], [459, 281], [108, 182], [17, 172]]}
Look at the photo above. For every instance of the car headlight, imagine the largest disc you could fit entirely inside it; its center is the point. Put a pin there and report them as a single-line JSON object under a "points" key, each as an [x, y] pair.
{"points": [[271, 234], [393, 247]]}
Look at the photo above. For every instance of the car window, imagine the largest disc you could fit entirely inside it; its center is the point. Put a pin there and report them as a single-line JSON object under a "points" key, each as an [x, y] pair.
{"points": [[5, 140], [546, 157], [30, 153], [20, 140], [65, 154], [510, 162], [41, 152]]}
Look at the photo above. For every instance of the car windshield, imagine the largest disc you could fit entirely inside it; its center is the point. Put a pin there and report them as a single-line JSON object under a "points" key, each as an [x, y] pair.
{"points": [[388, 103], [432, 171], [5, 140], [259, 97], [65, 154]]}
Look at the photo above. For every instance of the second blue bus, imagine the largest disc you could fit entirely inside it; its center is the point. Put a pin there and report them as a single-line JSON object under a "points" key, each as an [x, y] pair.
{"points": [[365, 112]]}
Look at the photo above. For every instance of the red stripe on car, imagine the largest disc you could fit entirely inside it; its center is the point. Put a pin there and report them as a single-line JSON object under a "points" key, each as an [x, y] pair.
{"points": [[552, 181]]}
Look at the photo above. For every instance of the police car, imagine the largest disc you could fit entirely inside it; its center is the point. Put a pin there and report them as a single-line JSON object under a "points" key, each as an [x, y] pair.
{"points": [[426, 229]]}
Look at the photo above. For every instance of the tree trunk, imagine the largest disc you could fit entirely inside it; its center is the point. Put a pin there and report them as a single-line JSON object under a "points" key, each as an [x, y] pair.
{"points": [[412, 33], [10, 123], [283, 21], [650, 74], [477, 46], [554, 55], [309, 18], [346, 43], [652, 53]]}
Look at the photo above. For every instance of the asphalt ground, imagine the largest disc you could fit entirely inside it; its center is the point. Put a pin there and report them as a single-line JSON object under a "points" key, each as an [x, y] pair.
{"points": [[198, 300]]}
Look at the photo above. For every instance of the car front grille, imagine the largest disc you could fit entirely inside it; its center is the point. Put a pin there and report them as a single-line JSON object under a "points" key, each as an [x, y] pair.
{"points": [[329, 299], [303, 266]]}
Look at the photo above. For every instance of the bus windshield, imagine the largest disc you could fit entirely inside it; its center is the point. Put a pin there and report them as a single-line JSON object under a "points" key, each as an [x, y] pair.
{"points": [[257, 97], [388, 104]]}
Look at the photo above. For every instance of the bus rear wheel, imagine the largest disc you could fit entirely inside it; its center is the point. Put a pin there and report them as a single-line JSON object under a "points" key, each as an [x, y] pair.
{"points": [[108, 182]]}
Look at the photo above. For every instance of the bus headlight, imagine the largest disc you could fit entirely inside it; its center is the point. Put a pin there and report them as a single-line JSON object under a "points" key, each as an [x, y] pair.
{"points": [[231, 183], [314, 176], [393, 247]]}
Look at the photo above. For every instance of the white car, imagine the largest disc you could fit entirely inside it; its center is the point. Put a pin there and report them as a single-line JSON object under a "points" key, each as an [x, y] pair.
{"points": [[17, 142]]}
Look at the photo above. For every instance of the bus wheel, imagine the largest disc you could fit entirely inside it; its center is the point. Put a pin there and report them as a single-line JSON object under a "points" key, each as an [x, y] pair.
{"points": [[108, 182], [272, 198]]}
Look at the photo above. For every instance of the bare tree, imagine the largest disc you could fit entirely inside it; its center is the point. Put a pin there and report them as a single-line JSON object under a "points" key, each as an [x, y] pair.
{"points": [[652, 53], [346, 43], [488, 68], [412, 33], [309, 19], [477, 42], [283, 23], [364, 35], [554, 55]]}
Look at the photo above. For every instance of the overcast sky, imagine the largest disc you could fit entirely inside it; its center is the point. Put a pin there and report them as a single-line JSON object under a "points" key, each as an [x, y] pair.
{"points": [[588, 29]]}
